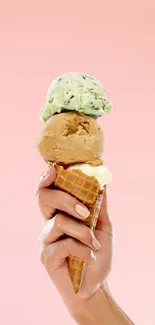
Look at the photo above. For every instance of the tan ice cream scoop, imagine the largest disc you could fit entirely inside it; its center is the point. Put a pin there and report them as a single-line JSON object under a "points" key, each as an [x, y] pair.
{"points": [[71, 138]]}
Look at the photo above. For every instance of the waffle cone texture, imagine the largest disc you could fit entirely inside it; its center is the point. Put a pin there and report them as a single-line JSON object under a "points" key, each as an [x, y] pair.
{"points": [[86, 189]]}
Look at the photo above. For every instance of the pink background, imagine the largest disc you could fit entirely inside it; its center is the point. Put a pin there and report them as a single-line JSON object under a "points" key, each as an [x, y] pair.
{"points": [[112, 40]]}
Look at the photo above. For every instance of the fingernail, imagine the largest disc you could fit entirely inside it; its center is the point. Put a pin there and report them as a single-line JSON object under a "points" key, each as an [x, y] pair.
{"points": [[95, 243], [82, 211]]}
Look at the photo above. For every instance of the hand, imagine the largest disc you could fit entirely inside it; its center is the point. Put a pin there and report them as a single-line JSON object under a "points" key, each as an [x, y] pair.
{"points": [[95, 250]]}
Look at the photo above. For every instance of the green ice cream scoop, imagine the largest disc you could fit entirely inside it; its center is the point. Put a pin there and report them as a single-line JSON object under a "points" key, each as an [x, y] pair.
{"points": [[78, 92]]}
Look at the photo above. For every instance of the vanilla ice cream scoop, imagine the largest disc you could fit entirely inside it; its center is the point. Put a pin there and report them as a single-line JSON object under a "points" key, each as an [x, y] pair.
{"points": [[101, 173]]}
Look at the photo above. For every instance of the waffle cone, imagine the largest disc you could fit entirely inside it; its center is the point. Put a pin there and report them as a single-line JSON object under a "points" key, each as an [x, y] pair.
{"points": [[87, 190]]}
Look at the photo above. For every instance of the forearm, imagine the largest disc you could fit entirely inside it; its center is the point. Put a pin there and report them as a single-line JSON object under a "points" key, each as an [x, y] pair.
{"points": [[101, 309]]}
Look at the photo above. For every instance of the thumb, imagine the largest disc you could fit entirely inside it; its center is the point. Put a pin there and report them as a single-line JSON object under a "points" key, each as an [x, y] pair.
{"points": [[46, 179]]}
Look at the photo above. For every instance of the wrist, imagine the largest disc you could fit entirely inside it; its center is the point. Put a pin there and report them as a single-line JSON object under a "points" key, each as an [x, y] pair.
{"points": [[89, 311], [101, 309]]}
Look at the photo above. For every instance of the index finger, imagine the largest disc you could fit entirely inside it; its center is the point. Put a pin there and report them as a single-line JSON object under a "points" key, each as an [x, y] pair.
{"points": [[51, 200]]}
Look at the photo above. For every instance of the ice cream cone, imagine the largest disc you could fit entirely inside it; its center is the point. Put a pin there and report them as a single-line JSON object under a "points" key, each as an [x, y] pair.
{"points": [[87, 190], [73, 142]]}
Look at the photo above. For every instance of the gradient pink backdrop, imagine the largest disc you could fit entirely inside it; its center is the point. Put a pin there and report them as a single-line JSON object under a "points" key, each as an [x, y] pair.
{"points": [[112, 40]]}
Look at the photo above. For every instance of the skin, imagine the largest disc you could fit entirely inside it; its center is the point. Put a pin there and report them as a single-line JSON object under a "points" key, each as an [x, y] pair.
{"points": [[94, 304]]}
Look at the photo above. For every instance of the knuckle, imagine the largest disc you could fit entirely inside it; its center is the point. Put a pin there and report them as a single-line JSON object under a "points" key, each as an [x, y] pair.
{"points": [[58, 219], [40, 195], [48, 227], [69, 242], [42, 254], [47, 254]]}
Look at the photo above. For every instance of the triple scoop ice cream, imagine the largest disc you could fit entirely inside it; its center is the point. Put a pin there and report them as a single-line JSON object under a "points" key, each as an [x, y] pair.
{"points": [[72, 140]]}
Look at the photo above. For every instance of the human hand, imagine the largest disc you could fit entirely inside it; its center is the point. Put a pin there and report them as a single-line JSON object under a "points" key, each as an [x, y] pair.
{"points": [[57, 208]]}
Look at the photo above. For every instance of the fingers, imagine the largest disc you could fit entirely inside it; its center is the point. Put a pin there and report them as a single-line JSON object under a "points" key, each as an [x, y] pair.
{"points": [[54, 256], [57, 200], [104, 222], [46, 212], [51, 200], [61, 225]]}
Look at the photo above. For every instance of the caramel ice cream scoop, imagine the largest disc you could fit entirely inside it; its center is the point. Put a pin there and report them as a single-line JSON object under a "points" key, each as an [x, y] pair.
{"points": [[71, 138]]}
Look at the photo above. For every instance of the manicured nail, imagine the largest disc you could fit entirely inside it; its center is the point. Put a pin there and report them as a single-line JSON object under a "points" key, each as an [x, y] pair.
{"points": [[82, 211], [95, 243]]}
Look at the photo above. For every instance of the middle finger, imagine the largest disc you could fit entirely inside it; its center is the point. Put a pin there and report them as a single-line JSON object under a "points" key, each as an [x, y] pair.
{"points": [[61, 225], [52, 200]]}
